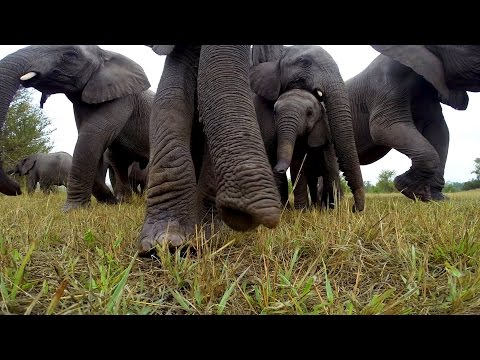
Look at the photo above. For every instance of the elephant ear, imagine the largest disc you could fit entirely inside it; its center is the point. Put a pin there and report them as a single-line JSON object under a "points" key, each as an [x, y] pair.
{"points": [[320, 134], [162, 49], [265, 53], [27, 164], [458, 99], [117, 77], [420, 60], [265, 80]]}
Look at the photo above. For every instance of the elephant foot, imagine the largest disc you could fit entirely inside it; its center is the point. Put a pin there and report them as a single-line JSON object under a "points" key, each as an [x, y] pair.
{"points": [[169, 233], [438, 196], [412, 187], [69, 206]]}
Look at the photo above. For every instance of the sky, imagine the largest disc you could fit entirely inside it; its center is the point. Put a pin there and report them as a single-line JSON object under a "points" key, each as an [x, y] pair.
{"points": [[464, 126]]}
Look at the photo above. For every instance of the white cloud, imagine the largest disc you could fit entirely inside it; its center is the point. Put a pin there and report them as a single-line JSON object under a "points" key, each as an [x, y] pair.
{"points": [[464, 126]]}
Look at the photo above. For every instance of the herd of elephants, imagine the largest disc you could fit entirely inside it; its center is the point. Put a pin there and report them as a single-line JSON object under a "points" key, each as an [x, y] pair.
{"points": [[215, 141]]}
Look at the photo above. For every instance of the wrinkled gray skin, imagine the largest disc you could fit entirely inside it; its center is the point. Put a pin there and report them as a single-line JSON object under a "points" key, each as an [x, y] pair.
{"points": [[203, 130], [111, 105], [312, 69], [396, 104], [300, 110], [47, 169]]}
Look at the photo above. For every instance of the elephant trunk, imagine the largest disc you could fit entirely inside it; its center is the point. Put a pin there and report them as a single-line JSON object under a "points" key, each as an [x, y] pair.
{"points": [[340, 117], [287, 135], [12, 67], [246, 192]]}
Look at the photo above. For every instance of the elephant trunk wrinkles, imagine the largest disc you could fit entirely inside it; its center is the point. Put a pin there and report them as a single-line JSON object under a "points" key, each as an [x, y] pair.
{"points": [[341, 125], [287, 135], [11, 68], [246, 193]]}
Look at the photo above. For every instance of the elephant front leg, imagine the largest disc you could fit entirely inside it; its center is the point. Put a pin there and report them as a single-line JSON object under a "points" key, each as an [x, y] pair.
{"points": [[100, 189], [403, 136], [31, 183], [300, 185], [171, 191], [85, 162]]}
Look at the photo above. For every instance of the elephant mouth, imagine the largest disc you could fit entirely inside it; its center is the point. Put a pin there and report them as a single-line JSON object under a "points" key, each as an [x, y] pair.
{"points": [[55, 82]]}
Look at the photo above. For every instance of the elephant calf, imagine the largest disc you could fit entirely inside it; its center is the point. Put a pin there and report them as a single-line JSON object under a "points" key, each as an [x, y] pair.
{"points": [[294, 126], [137, 181], [46, 169]]}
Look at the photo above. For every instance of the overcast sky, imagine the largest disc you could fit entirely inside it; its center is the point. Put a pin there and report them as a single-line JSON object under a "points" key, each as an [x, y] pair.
{"points": [[464, 126]]}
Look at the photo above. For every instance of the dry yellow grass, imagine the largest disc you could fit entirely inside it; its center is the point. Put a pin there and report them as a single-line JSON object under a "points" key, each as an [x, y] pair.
{"points": [[397, 257]]}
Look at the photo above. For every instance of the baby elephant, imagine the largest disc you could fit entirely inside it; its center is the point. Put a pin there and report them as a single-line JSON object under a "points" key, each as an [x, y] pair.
{"points": [[47, 169], [299, 126]]}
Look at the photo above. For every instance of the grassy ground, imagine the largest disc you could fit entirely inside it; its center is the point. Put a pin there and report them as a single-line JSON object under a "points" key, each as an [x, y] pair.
{"points": [[397, 257]]}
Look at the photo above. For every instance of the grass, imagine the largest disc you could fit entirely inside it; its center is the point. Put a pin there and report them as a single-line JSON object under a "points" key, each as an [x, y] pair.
{"points": [[397, 257]]}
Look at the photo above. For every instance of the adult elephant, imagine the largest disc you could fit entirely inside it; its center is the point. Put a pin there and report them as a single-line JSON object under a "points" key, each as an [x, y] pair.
{"points": [[396, 104], [277, 70], [110, 100], [47, 169], [214, 80], [299, 112]]}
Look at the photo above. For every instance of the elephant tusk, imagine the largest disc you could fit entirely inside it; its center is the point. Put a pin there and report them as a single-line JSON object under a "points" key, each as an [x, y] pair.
{"points": [[28, 76], [319, 93]]}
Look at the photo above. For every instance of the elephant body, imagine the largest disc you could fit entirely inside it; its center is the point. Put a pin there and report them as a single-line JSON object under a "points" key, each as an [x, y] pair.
{"points": [[111, 104], [47, 169], [308, 164], [310, 78], [395, 103]]}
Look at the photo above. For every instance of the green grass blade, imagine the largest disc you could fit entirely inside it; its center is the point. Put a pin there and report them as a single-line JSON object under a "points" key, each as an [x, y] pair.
{"points": [[114, 302]]}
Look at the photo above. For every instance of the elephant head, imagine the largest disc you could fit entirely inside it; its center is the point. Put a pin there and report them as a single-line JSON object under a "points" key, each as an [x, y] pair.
{"points": [[23, 167], [451, 69], [311, 68], [298, 113], [85, 72]]}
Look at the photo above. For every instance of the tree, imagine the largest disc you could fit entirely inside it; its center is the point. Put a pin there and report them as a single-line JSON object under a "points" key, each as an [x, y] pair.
{"points": [[385, 182], [26, 130], [477, 168]]}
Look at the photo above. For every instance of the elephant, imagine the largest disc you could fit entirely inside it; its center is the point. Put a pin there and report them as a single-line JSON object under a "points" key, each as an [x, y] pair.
{"points": [[47, 169], [302, 111], [137, 180], [206, 150], [396, 104], [111, 103], [307, 69]]}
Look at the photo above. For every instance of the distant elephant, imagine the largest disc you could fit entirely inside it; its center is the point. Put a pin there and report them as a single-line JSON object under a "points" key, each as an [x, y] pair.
{"points": [[312, 70], [203, 103], [137, 180], [111, 104], [395, 103], [303, 117], [47, 169]]}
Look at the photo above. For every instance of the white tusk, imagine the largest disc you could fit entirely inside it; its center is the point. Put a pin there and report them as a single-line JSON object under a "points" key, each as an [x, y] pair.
{"points": [[28, 76], [319, 93]]}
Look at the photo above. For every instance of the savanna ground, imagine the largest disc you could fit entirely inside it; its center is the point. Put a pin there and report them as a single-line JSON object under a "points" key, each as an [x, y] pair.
{"points": [[397, 257]]}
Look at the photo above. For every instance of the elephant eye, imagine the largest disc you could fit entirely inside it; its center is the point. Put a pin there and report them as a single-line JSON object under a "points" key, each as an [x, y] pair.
{"points": [[309, 112], [303, 61], [70, 55]]}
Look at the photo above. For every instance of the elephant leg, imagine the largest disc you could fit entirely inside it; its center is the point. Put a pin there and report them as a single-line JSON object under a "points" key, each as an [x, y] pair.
{"points": [[171, 194], [45, 187], [435, 130], [119, 163], [95, 134], [398, 131], [32, 180], [331, 178], [206, 195], [299, 181], [281, 181]]}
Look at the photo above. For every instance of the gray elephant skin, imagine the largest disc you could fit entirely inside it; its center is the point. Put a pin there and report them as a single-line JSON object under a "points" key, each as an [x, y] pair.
{"points": [[137, 181], [302, 111], [203, 130], [111, 104], [314, 75], [396, 104], [47, 169]]}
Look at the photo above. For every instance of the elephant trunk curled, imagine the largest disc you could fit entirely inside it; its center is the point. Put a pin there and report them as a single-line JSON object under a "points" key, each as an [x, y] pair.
{"points": [[246, 193], [12, 67], [341, 126]]}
